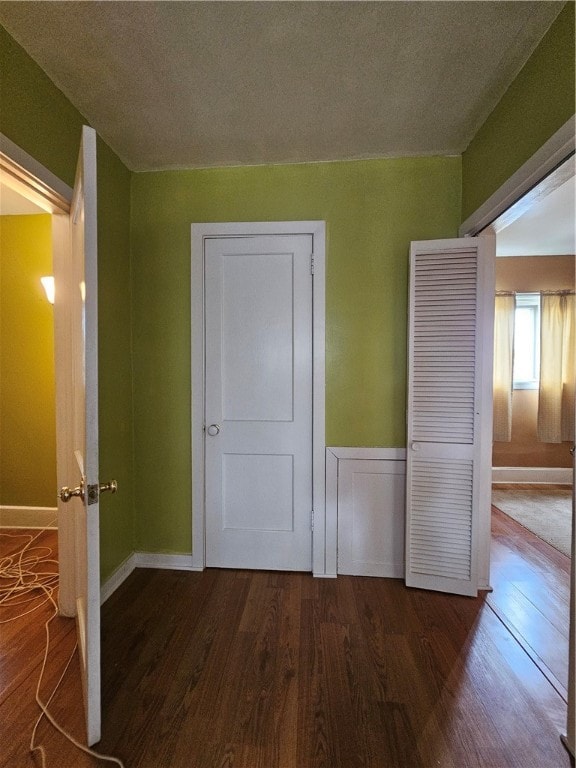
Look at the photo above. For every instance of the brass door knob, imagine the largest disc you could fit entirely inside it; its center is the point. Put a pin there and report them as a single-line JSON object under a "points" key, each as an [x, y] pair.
{"points": [[67, 493], [112, 486], [94, 491]]}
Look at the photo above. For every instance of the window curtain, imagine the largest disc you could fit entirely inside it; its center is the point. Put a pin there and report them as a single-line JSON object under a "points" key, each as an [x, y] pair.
{"points": [[503, 366], [557, 368]]}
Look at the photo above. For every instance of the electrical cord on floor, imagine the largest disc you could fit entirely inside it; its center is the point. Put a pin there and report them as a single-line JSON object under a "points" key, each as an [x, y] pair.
{"points": [[22, 585], [21, 580]]}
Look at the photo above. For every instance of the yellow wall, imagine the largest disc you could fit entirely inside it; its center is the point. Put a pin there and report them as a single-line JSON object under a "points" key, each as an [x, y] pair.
{"points": [[27, 404]]}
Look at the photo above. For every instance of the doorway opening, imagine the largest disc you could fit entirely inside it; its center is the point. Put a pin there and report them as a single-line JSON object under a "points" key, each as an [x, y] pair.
{"points": [[311, 268], [533, 476], [36, 190], [519, 187], [534, 330], [27, 395]]}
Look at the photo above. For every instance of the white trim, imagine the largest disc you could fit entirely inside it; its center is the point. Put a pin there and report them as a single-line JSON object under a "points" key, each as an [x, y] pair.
{"points": [[166, 562], [390, 454], [560, 475], [32, 179], [331, 523], [333, 456], [317, 229], [66, 469], [488, 272], [557, 149], [28, 517]]}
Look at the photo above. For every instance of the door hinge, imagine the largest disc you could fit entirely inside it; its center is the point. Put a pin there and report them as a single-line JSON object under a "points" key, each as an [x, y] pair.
{"points": [[312, 520], [311, 263]]}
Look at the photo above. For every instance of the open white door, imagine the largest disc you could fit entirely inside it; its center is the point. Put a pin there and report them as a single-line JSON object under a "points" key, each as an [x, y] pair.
{"points": [[449, 411], [78, 284]]}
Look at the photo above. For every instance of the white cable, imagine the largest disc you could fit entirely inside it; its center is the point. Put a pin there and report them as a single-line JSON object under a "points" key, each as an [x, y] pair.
{"points": [[19, 585]]}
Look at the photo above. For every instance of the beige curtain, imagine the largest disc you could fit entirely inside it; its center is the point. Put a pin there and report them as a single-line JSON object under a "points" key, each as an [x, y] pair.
{"points": [[557, 368], [503, 364]]}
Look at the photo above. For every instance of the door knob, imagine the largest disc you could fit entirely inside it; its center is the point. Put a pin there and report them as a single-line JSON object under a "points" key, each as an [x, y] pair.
{"points": [[94, 491], [112, 486], [573, 450], [67, 493], [213, 430]]}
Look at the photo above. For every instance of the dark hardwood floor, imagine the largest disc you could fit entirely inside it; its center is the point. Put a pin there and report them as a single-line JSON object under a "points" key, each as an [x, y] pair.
{"points": [[241, 669]]}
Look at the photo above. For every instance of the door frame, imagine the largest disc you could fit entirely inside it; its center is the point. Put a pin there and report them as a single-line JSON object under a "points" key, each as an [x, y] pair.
{"points": [[38, 184], [201, 232], [551, 154], [559, 147], [557, 150]]}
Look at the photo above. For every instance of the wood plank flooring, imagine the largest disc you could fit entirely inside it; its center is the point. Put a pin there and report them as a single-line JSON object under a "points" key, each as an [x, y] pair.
{"points": [[241, 669], [22, 644], [531, 583]]}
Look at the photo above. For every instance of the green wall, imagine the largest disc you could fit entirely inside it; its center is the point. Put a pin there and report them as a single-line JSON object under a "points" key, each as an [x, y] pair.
{"points": [[27, 404], [372, 210], [535, 106], [36, 116]]}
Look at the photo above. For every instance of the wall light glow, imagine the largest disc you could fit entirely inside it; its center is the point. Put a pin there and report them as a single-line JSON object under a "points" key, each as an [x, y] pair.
{"points": [[48, 285]]}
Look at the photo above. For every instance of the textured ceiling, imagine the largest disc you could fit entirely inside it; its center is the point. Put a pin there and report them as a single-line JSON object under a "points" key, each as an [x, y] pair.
{"points": [[198, 84]]}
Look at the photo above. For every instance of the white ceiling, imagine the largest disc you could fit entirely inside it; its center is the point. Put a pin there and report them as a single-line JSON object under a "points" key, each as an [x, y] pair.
{"points": [[545, 229], [199, 84]]}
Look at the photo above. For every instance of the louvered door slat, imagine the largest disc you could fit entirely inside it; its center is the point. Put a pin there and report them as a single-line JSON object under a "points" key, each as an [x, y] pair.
{"points": [[441, 483]]}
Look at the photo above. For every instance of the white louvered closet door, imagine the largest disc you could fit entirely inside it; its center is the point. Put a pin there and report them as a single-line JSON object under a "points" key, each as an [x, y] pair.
{"points": [[449, 402]]}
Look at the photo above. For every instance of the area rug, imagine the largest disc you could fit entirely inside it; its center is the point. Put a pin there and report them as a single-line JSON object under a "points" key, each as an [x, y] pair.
{"points": [[545, 512]]}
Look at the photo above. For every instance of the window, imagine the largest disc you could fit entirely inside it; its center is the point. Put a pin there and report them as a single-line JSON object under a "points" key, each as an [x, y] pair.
{"points": [[527, 341]]}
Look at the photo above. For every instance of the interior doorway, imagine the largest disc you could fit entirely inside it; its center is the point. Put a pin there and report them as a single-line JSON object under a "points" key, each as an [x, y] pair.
{"points": [[532, 478], [27, 403], [301, 242], [559, 148], [38, 190], [535, 273]]}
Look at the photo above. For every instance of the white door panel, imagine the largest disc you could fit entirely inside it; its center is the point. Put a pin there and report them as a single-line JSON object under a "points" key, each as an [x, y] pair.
{"points": [[258, 402], [258, 492], [371, 517], [84, 313], [257, 341]]}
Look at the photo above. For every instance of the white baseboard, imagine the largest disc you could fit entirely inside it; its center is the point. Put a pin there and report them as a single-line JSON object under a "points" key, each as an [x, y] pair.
{"points": [[144, 560], [28, 517], [560, 475], [169, 562]]}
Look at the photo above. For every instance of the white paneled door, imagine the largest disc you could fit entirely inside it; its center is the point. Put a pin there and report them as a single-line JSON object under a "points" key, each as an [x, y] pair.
{"points": [[258, 401], [449, 412]]}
